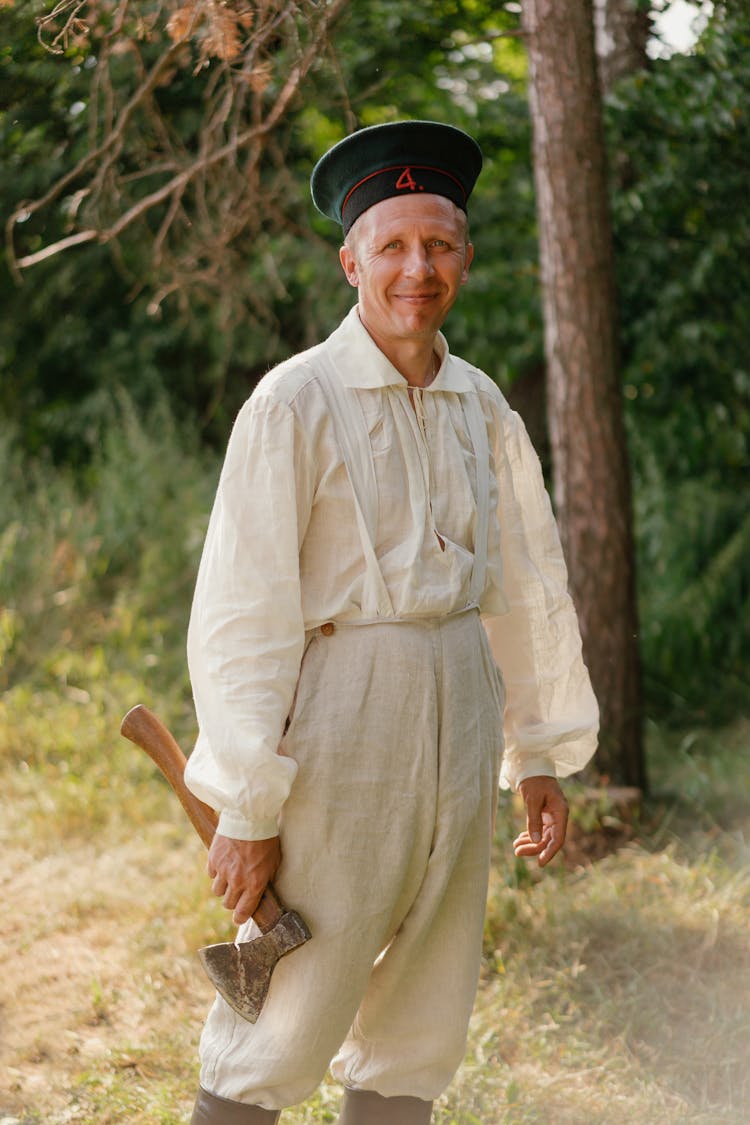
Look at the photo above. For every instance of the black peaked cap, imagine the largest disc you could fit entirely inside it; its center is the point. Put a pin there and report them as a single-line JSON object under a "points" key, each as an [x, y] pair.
{"points": [[400, 158]]}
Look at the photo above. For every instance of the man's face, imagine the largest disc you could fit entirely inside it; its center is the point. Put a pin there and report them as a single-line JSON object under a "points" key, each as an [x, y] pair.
{"points": [[408, 257]]}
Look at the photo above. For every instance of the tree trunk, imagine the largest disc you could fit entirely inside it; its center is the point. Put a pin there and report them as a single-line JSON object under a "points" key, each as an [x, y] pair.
{"points": [[622, 28], [584, 401]]}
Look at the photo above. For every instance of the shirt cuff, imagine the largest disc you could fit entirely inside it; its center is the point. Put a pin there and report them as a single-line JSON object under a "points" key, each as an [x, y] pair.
{"points": [[512, 776], [238, 827]]}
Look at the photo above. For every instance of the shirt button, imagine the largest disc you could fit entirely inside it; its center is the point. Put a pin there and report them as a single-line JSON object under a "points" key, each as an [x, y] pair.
{"points": [[327, 629]]}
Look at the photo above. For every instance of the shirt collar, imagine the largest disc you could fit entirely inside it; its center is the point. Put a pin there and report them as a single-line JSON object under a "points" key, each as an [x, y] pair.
{"points": [[362, 365]]}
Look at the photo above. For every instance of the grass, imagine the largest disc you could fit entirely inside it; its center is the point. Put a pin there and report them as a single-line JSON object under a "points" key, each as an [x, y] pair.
{"points": [[614, 990]]}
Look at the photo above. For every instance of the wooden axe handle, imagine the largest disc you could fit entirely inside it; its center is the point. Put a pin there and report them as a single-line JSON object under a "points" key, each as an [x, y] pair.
{"points": [[143, 728]]}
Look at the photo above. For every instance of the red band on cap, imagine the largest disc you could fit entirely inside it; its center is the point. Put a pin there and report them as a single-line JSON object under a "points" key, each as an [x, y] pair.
{"points": [[403, 168]]}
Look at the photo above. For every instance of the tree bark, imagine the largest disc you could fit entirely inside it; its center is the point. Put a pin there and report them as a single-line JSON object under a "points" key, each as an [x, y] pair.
{"points": [[584, 401], [622, 28]]}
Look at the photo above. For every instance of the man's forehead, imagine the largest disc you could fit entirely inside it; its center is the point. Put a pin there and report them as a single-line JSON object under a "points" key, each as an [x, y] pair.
{"points": [[396, 214]]}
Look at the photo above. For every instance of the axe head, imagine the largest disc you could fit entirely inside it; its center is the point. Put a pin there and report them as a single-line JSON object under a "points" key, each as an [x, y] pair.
{"points": [[241, 971]]}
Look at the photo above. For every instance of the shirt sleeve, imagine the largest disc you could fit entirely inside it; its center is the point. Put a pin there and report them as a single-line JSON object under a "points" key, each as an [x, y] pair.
{"points": [[551, 714], [246, 632]]}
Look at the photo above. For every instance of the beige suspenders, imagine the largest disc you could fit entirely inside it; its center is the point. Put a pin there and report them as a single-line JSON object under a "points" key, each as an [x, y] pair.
{"points": [[354, 444]]}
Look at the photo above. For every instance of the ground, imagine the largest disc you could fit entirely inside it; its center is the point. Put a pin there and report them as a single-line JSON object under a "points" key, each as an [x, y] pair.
{"points": [[613, 989]]}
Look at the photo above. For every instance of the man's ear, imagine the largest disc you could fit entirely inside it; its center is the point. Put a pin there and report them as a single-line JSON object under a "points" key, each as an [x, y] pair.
{"points": [[349, 265], [467, 263]]}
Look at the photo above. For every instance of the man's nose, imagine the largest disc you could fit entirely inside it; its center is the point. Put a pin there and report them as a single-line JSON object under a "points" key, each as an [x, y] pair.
{"points": [[418, 262]]}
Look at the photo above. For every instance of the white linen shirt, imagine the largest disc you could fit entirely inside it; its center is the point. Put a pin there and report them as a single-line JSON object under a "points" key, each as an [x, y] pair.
{"points": [[283, 555]]}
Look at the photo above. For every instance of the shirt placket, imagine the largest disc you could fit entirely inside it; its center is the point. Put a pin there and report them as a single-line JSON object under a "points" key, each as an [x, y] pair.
{"points": [[417, 414]]}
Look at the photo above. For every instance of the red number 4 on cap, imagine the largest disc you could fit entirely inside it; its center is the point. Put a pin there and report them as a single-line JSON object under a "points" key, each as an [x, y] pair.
{"points": [[406, 180]]}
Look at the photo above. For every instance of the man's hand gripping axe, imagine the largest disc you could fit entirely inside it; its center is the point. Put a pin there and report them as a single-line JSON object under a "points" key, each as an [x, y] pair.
{"points": [[240, 971]]}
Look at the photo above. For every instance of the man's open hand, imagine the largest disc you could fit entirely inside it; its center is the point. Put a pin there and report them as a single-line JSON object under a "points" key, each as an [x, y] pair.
{"points": [[546, 819], [241, 870]]}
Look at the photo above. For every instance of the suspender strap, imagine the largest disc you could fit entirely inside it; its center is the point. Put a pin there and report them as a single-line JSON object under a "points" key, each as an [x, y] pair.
{"points": [[478, 433], [354, 445]]}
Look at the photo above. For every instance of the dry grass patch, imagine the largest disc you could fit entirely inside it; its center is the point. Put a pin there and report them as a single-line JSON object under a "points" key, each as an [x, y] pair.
{"points": [[621, 991], [100, 990]]}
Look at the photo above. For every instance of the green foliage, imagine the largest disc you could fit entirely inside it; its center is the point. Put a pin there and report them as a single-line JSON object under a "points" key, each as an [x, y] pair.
{"points": [[83, 324], [96, 571], [680, 134], [694, 538]]}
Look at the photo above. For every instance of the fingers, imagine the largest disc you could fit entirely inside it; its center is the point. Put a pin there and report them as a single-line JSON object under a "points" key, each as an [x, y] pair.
{"points": [[240, 870], [219, 885], [240, 899], [545, 849], [244, 908], [523, 845], [554, 839], [534, 826], [536, 795], [546, 820]]}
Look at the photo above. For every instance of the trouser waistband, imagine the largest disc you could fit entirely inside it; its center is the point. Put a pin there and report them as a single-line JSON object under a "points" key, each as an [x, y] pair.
{"points": [[329, 627]]}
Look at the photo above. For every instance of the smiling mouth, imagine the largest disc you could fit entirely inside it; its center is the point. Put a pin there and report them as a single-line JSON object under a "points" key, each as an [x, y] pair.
{"points": [[417, 296]]}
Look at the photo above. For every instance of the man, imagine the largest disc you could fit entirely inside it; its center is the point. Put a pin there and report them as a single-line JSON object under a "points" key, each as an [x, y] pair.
{"points": [[378, 495]]}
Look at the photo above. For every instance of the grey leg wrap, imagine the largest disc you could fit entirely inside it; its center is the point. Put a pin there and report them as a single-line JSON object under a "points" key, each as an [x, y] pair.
{"points": [[365, 1107], [210, 1109]]}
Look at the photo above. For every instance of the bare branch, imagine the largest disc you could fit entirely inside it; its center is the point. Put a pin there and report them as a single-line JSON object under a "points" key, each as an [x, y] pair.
{"points": [[166, 224], [28, 208], [58, 247], [72, 27], [249, 64]]}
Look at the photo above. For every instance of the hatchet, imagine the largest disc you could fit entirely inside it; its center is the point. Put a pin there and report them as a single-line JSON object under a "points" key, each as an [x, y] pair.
{"points": [[240, 971]]}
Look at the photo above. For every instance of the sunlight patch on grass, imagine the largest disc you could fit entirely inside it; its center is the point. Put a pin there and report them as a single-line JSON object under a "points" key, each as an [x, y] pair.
{"points": [[633, 975]]}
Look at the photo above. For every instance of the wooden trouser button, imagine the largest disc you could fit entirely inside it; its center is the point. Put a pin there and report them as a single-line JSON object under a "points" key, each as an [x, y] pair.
{"points": [[327, 629]]}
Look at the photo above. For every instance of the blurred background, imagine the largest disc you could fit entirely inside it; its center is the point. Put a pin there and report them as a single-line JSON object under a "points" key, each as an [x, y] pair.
{"points": [[161, 254]]}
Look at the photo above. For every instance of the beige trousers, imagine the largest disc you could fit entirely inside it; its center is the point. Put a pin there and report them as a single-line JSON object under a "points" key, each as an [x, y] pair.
{"points": [[397, 729]]}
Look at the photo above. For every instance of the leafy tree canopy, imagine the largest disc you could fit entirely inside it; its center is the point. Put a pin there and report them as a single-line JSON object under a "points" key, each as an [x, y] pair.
{"points": [[679, 137], [213, 308]]}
